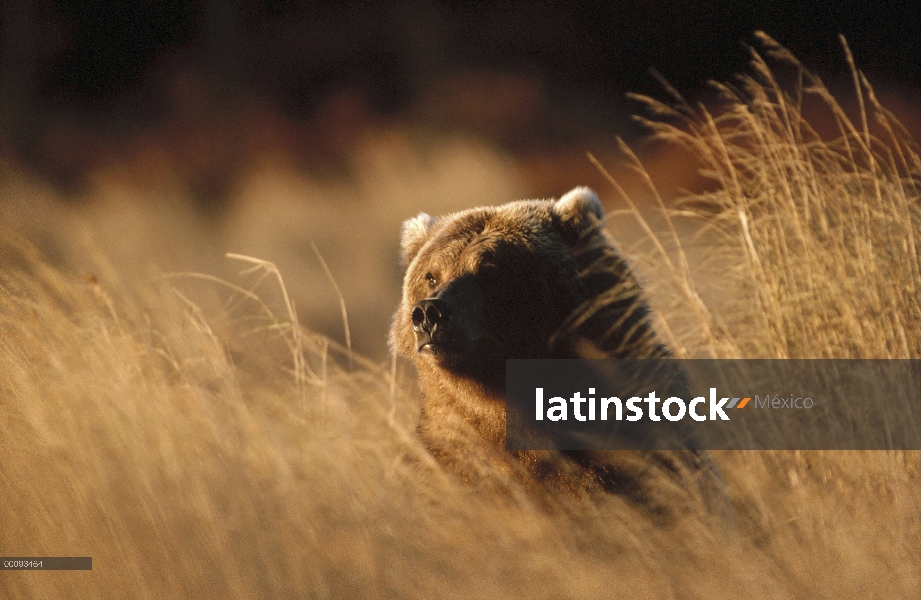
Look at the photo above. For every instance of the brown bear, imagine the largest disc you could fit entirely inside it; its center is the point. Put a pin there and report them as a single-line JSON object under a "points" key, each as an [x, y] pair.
{"points": [[528, 279]]}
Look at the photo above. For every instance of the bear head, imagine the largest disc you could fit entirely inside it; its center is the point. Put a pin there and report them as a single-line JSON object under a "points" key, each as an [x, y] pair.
{"points": [[527, 279]]}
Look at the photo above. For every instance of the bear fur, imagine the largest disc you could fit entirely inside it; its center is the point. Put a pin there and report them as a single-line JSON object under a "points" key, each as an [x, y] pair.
{"points": [[528, 279]]}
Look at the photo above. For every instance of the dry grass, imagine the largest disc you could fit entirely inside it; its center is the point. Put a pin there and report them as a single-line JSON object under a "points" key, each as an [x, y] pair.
{"points": [[818, 238], [197, 442]]}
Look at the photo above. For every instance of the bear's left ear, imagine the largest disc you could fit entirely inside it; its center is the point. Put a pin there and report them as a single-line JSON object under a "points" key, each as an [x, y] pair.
{"points": [[413, 236], [575, 207]]}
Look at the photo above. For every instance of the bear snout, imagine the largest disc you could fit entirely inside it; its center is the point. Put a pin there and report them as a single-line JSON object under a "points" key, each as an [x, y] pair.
{"points": [[429, 316]]}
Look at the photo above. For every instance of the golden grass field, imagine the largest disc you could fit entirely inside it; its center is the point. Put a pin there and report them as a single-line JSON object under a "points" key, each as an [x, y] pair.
{"points": [[177, 424]]}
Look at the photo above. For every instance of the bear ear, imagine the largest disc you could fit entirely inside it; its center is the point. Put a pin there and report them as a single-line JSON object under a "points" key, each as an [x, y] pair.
{"points": [[576, 205], [413, 236]]}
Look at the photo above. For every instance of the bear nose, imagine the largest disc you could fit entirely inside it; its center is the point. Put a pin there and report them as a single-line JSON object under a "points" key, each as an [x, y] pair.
{"points": [[430, 313]]}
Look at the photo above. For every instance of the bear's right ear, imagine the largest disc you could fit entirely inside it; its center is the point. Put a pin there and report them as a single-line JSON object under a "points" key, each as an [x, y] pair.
{"points": [[413, 236]]}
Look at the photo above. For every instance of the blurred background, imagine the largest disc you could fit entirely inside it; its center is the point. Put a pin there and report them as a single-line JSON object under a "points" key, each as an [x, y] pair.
{"points": [[162, 135]]}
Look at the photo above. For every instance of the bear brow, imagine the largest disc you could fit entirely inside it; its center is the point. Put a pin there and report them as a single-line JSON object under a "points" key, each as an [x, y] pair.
{"points": [[492, 246], [513, 235], [478, 233], [444, 257]]}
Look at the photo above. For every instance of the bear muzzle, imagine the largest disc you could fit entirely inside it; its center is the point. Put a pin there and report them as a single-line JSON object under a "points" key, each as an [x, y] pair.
{"points": [[430, 318]]}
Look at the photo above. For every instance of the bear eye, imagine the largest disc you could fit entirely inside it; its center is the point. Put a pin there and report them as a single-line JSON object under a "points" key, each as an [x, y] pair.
{"points": [[430, 279]]}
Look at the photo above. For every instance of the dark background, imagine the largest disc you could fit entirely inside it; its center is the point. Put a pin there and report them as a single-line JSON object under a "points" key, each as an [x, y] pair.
{"points": [[103, 70], [170, 133]]}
